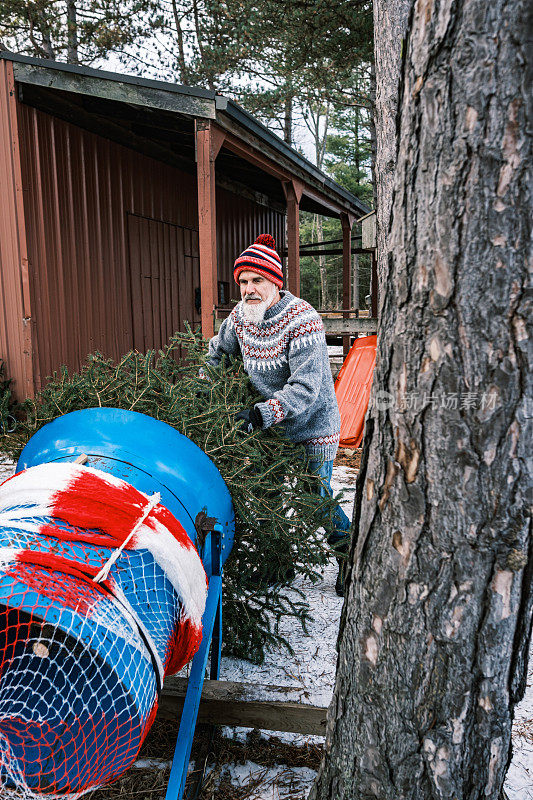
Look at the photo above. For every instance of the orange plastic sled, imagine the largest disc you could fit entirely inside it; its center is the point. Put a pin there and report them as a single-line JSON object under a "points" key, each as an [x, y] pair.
{"points": [[352, 388]]}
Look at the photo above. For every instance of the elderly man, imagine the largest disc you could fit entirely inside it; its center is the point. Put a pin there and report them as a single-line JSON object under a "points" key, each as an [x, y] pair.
{"points": [[283, 346]]}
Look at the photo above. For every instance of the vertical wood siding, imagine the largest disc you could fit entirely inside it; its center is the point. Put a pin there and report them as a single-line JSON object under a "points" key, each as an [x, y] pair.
{"points": [[165, 272], [112, 243], [15, 308], [239, 223]]}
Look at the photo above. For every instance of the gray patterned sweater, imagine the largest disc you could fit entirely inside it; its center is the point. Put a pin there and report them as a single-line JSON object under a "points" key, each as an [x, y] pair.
{"points": [[286, 359]]}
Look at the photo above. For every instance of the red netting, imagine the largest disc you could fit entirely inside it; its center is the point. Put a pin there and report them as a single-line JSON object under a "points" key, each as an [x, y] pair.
{"points": [[81, 594], [81, 662]]}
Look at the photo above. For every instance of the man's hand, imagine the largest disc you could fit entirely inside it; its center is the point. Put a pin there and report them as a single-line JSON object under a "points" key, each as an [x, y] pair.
{"points": [[204, 392], [251, 420]]}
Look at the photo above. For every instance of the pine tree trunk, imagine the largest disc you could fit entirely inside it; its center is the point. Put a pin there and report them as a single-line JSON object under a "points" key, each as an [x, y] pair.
{"points": [[390, 23], [72, 33], [372, 131], [287, 119], [38, 21], [182, 62], [437, 620], [356, 151]]}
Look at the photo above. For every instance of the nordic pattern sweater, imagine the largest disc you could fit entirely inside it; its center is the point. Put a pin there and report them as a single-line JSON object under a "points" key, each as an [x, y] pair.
{"points": [[286, 359]]}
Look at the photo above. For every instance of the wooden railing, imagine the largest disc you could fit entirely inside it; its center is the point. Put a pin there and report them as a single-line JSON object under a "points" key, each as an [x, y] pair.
{"points": [[335, 324]]}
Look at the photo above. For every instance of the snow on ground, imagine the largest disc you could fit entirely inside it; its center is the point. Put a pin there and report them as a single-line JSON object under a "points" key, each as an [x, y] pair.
{"points": [[283, 783], [312, 669], [519, 781], [7, 468]]}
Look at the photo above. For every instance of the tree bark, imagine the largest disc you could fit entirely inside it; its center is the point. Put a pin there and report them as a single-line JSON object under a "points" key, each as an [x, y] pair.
{"points": [[436, 624], [182, 62], [287, 119], [390, 23], [72, 33], [37, 21], [372, 131]]}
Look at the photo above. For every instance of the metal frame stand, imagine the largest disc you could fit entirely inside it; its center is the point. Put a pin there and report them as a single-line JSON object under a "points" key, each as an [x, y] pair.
{"points": [[211, 638]]}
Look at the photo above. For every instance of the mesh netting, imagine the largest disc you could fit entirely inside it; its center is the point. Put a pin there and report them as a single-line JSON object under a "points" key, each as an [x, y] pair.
{"points": [[82, 660]]}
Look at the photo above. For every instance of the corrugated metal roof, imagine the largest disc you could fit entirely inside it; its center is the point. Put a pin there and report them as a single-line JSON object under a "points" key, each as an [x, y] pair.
{"points": [[195, 102], [134, 80], [248, 121]]}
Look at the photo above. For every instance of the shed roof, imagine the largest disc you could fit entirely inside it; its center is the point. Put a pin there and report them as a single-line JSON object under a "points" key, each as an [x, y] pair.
{"points": [[158, 118]]}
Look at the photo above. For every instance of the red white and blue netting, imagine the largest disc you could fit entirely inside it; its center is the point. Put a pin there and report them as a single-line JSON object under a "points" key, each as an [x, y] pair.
{"points": [[101, 595]]}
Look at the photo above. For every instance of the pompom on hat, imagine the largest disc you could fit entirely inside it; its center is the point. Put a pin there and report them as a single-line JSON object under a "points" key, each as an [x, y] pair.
{"points": [[261, 257]]}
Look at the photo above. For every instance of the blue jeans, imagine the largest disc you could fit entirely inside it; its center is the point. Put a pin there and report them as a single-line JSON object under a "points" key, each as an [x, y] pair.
{"points": [[341, 523]]}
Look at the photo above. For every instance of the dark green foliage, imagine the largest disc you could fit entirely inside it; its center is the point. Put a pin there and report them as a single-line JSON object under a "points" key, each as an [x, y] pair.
{"points": [[5, 392], [309, 265], [303, 49], [203, 42], [349, 150], [277, 505], [7, 404], [79, 32]]}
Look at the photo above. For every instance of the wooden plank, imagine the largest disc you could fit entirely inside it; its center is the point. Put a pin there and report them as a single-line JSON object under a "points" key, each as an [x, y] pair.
{"points": [[368, 230], [350, 326], [254, 147], [108, 87], [333, 252], [247, 705], [339, 327]]}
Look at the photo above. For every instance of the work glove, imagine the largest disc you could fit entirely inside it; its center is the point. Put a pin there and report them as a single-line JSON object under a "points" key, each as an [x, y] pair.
{"points": [[250, 419], [204, 393]]}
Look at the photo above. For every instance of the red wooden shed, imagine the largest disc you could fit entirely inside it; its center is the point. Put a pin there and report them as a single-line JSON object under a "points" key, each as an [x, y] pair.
{"points": [[124, 204]]}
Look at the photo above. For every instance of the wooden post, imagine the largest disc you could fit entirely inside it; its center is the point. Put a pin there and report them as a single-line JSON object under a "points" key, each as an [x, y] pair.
{"points": [[374, 286], [355, 283], [355, 287], [209, 140], [346, 222], [16, 327], [293, 194]]}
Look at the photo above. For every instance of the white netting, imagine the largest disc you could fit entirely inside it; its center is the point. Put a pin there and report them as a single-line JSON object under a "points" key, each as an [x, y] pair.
{"points": [[81, 663]]}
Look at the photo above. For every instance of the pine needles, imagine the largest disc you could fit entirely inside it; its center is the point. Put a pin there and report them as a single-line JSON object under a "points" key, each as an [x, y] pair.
{"points": [[7, 404], [278, 509]]}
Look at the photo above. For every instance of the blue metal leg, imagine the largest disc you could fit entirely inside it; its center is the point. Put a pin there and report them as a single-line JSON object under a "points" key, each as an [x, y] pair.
{"points": [[216, 644], [182, 753]]}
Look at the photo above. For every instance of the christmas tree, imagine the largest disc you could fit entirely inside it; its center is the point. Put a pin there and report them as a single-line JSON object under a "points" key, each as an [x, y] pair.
{"points": [[279, 512]]}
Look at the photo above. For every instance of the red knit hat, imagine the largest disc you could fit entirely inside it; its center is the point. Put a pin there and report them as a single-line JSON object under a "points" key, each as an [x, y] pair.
{"points": [[261, 257]]}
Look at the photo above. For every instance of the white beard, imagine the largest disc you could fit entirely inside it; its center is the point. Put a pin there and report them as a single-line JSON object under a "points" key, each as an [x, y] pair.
{"points": [[255, 312]]}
